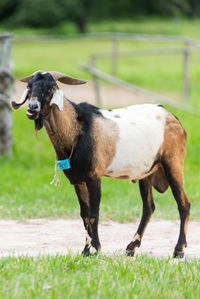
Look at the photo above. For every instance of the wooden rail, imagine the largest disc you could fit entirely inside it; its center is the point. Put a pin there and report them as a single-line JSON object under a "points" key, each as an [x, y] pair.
{"points": [[186, 51], [111, 79]]}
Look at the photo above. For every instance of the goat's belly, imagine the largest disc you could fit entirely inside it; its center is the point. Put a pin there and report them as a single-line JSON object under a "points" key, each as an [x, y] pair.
{"points": [[133, 170], [136, 151]]}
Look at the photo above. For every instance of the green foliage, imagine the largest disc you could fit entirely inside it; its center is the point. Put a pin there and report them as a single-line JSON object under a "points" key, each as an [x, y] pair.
{"points": [[51, 13], [98, 277], [38, 13]]}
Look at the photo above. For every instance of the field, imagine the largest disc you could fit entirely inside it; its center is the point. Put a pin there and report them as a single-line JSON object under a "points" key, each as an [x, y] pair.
{"points": [[26, 193]]}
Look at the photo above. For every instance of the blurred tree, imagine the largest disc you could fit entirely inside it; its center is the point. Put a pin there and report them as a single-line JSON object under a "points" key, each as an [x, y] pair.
{"points": [[195, 8], [8, 8], [38, 13], [77, 11], [50, 13]]}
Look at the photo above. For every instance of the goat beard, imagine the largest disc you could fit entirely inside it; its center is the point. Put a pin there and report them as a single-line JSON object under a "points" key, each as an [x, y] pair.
{"points": [[38, 124]]}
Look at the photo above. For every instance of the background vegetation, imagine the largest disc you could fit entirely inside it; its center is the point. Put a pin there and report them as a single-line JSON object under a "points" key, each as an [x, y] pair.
{"points": [[50, 13]]}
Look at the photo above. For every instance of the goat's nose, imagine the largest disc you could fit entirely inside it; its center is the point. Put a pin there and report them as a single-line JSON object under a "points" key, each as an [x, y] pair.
{"points": [[33, 106]]}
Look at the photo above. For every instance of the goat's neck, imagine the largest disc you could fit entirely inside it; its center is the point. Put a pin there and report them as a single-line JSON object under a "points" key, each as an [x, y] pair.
{"points": [[62, 128]]}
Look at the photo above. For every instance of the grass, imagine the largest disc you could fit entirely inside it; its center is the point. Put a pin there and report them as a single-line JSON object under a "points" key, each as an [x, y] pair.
{"points": [[98, 277]]}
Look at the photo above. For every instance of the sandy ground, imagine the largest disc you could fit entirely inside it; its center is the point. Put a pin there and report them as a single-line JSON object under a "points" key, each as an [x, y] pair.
{"points": [[42, 237]]}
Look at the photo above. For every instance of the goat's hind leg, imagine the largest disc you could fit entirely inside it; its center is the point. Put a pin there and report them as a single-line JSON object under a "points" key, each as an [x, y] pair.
{"points": [[148, 209], [174, 174]]}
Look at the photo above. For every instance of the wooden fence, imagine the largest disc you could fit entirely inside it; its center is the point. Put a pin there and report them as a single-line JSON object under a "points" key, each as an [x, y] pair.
{"points": [[6, 83], [186, 49]]}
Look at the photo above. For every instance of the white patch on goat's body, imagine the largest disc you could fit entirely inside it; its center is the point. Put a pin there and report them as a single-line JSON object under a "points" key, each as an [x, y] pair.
{"points": [[58, 99], [141, 133]]}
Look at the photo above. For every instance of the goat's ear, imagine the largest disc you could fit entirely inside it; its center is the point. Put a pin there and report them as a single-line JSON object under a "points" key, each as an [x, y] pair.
{"points": [[71, 81], [65, 78], [28, 78], [23, 99], [57, 99], [38, 124]]}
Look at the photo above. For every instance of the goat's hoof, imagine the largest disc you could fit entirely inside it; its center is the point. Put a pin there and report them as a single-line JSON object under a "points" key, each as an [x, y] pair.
{"points": [[178, 254], [86, 251], [89, 250], [130, 253]]}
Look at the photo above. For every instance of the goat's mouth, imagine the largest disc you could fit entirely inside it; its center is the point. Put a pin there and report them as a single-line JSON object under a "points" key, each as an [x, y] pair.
{"points": [[32, 114]]}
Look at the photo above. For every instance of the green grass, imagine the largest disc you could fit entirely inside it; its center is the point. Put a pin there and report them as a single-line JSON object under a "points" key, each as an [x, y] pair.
{"points": [[98, 277]]}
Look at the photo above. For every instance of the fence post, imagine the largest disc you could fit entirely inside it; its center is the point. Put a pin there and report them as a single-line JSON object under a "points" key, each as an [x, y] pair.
{"points": [[6, 91], [114, 56], [186, 71], [96, 81]]}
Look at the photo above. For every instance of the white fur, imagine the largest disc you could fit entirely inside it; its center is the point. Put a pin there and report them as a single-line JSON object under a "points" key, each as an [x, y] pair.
{"points": [[141, 133], [57, 99]]}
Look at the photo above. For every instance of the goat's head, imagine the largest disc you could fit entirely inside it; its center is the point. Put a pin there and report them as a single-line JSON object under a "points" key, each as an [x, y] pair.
{"points": [[42, 91]]}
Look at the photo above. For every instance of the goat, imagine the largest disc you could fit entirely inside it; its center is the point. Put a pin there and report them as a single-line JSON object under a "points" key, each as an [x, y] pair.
{"points": [[140, 142]]}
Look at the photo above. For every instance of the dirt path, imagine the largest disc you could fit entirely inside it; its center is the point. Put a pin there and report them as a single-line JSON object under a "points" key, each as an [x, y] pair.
{"points": [[42, 236]]}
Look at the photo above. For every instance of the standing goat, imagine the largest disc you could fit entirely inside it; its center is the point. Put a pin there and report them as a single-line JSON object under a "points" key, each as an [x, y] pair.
{"points": [[140, 142]]}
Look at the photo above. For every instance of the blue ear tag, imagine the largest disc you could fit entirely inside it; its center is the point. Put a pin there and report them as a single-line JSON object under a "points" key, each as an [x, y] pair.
{"points": [[63, 164]]}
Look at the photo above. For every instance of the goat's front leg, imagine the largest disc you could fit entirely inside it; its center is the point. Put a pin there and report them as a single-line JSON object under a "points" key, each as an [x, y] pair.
{"points": [[92, 239], [83, 198]]}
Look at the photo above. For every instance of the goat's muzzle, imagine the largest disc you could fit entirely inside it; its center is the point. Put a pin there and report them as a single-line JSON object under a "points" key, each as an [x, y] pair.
{"points": [[32, 115], [33, 109]]}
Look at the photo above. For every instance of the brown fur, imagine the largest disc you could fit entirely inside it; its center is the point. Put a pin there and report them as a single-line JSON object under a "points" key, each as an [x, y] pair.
{"points": [[104, 143], [62, 130]]}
